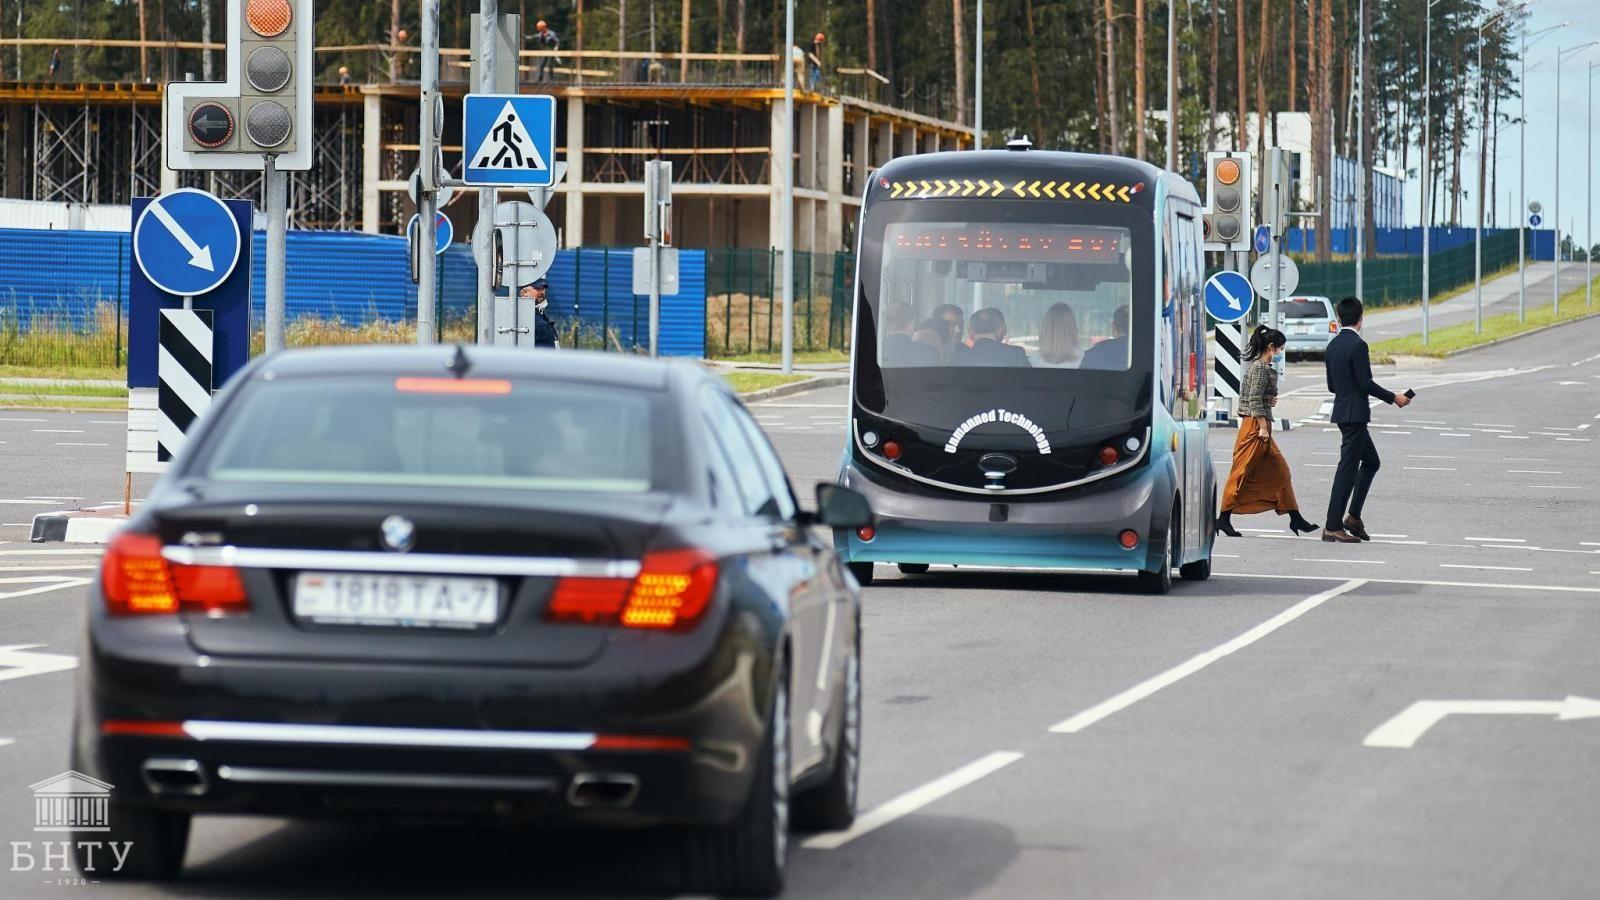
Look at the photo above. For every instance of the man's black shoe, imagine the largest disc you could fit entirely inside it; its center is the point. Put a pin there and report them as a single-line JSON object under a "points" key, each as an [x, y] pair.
{"points": [[1339, 537], [1354, 526]]}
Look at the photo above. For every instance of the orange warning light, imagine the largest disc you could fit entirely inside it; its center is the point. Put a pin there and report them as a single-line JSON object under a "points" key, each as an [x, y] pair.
{"points": [[268, 18], [1227, 171]]}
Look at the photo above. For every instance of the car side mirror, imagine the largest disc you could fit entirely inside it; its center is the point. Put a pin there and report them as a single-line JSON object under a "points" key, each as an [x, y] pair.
{"points": [[841, 507]]}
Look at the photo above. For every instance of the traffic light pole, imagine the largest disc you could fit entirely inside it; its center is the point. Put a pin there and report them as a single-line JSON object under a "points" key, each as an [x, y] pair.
{"points": [[275, 184], [483, 231], [427, 196]]}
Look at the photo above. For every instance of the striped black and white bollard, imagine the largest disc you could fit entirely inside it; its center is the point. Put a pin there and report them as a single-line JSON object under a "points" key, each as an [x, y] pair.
{"points": [[1226, 365], [184, 370]]}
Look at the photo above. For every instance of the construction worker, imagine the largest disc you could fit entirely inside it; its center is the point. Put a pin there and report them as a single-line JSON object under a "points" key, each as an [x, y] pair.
{"points": [[546, 40], [816, 60]]}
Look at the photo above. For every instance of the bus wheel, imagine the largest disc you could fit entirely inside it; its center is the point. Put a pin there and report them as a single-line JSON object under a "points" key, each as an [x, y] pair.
{"points": [[913, 568], [1160, 581], [862, 571]]}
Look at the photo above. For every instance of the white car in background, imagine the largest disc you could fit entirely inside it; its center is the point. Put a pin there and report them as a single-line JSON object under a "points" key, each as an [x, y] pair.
{"points": [[1309, 324]]}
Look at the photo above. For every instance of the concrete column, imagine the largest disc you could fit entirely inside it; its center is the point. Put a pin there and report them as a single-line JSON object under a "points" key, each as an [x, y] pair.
{"points": [[885, 150], [777, 167], [860, 156], [833, 222], [574, 183], [930, 142], [371, 162], [806, 175], [908, 142]]}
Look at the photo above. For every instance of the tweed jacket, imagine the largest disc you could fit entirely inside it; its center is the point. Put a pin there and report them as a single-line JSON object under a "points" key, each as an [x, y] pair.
{"points": [[1258, 389]]}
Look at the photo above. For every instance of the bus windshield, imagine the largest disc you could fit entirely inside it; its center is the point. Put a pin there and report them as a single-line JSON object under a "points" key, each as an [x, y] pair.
{"points": [[984, 294]]}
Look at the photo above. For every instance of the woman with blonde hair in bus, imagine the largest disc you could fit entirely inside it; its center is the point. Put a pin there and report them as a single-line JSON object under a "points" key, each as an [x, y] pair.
{"points": [[1259, 480], [1058, 340]]}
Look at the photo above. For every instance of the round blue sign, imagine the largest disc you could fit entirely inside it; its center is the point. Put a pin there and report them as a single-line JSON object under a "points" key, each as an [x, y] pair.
{"points": [[1535, 220], [444, 232], [186, 242], [1263, 239], [1229, 296]]}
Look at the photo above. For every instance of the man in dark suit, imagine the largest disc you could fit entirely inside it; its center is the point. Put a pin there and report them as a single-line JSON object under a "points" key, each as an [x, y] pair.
{"points": [[988, 330], [1350, 380], [899, 350], [1111, 353]]}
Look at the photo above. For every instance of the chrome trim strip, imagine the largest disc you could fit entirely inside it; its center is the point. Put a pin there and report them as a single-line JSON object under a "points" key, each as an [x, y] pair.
{"points": [[406, 563], [288, 733], [255, 775], [855, 427]]}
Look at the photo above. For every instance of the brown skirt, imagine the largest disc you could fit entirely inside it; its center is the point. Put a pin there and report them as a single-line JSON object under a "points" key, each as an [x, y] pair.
{"points": [[1259, 480]]}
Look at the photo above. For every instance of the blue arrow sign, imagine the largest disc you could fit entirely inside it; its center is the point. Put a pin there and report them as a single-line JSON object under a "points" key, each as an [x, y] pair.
{"points": [[186, 242], [444, 232], [1263, 239], [1229, 296], [1535, 220], [509, 139]]}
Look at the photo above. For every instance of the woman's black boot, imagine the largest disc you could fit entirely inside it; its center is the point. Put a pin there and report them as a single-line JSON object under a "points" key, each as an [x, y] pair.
{"points": [[1299, 524], [1225, 524]]}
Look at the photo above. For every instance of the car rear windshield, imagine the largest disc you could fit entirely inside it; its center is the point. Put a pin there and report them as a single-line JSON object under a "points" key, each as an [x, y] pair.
{"points": [[439, 432], [1306, 309]]}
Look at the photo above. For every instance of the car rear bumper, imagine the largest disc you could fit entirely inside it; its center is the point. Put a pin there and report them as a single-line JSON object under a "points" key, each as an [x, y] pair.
{"points": [[1307, 343], [176, 730], [1077, 533]]}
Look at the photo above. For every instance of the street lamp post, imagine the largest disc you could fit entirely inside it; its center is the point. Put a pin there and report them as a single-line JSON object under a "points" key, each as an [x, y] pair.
{"points": [[786, 203], [1522, 165], [1588, 216], [1427, 154], [1555, 280], [1483, 115], [1362, 175]]}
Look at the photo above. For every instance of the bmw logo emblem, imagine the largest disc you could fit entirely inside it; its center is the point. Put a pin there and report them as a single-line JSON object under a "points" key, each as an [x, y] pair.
{"points": [[398, 533]]}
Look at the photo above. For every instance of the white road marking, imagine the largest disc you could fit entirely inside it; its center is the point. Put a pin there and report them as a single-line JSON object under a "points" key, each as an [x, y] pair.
{"points": [[30, 502], [1402, 731], [1485, 568], [8, 419], [1453, 434], [19, 661], [1183, 670], [45, 589], [1513, 437], [1489, 425], [1426, 422], [108, 421], [6, 742], [799, 406], [1588, 544], [1322, 465], [1558, 428], [1556, 487], [1236, 556], [1554, 434], [1428, 469], [41, 497], [1532, 472], [81, 444], [88, 551], [58, 431], [1576, 440], [1377, 535], [1395, 432], [92, 568], [1426, 456], [1495, 540], [1419, 582], [1378, 540], [1355, 562], [1526, 459], [913, 800]]}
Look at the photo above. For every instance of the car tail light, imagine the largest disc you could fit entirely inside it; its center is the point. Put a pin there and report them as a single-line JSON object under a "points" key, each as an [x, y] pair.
{"points": [[1129, 539], [1333, 327], [452, 386], [136, 580], [672, 590], [1109, 455], [866, 532], [891, 449]]}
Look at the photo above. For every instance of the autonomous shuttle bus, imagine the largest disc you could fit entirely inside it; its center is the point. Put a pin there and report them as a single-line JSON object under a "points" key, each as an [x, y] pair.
{"points": [[1028, 368]]}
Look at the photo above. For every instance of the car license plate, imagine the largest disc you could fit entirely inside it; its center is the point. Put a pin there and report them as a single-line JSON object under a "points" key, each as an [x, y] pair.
{"points": [[1298, 329], [395, 601]]}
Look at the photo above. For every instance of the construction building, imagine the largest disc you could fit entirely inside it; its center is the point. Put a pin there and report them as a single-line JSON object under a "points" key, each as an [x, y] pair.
{"points": [[714, 116]]}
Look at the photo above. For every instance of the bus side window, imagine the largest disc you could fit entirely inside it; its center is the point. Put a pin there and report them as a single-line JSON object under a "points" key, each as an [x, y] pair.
{"points": [[1195, 338], [1171, 344]]}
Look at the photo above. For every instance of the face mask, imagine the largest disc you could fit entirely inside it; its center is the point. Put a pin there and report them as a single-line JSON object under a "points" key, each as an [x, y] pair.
{"points": [[540, 306]]}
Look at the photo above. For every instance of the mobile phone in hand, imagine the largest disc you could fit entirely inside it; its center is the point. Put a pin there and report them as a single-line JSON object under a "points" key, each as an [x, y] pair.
{"points": [[1410, 394]]}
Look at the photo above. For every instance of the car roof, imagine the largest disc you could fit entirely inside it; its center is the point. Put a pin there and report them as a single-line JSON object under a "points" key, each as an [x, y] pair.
{"points": [[616, 369]]}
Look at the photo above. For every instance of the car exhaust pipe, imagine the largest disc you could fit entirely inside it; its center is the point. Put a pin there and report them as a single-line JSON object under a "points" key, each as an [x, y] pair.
{"points": [[175, 776], [603, 790]]}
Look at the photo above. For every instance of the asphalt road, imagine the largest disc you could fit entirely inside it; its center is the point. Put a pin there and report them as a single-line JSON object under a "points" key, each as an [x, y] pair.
{"points": [[1209, 743], [1499, 297]]}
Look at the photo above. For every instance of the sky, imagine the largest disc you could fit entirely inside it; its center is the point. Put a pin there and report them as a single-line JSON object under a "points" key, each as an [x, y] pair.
{"points": [[1541, 141]]}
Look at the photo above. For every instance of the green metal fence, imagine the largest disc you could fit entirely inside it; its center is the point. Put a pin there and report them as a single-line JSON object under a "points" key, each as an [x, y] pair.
{"points": [[744, 303], [1397, 280]]}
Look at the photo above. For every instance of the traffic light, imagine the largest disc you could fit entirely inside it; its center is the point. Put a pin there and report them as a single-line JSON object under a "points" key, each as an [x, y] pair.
{"points": [[264, 106], [1228, 202]]}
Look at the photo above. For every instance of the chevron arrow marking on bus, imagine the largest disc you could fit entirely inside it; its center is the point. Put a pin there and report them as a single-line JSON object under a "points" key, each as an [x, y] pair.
{"points": [[966, 185], [1078, 189], [1123, 193], [1403, 731], [1017, 188], [1050, 189], [998, 187]]}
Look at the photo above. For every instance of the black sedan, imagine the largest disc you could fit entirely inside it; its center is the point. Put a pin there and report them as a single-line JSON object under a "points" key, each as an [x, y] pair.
{"points": [[557, 587]]}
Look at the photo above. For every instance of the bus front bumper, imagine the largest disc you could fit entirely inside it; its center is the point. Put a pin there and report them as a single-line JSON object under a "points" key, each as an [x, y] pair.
{"points": [[1081, 531]]}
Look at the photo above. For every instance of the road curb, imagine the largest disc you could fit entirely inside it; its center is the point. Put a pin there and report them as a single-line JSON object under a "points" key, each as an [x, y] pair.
{"points": [[84, 527], [784, 390], [1497, 341]]}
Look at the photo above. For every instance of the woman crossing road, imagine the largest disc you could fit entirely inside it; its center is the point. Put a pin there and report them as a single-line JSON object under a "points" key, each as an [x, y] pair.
{"points": [[1259, 480]]}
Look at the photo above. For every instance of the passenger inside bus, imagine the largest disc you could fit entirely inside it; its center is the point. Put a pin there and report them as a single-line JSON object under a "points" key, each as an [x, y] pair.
{"points": [[1112, 353], [1058, 340], [899, 346], [988, 330], [953, 323], [935, 335]]}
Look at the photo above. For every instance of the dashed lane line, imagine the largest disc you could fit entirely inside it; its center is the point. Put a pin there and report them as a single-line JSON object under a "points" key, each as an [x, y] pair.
{"points": [[1485, 568], [1575, 440], [1532, 472], [53, 568], [1428, 469], [1556, 487], [1497, 540], [913, 800], [1353, 562], [6, 742], [1419, 582], [58, 431], [1194, 664], [1513, 437], [45, 589], [87, 551]]}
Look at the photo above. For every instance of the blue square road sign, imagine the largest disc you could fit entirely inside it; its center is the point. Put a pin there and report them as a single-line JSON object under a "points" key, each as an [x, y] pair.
{"points": [[509, 139]]}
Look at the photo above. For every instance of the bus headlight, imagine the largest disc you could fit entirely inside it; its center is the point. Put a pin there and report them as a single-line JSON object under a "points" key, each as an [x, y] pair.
{"points": [[1132, 444], [869, 438]]}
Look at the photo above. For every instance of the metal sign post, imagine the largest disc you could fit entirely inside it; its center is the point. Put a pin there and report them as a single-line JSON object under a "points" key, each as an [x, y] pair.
{"points": [[275, 184], [483, 231], [658, 230], [427, 177]]}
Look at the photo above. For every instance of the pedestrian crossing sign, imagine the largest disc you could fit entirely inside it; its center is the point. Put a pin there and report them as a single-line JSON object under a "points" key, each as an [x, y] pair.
{"points": [[509, 140]]}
